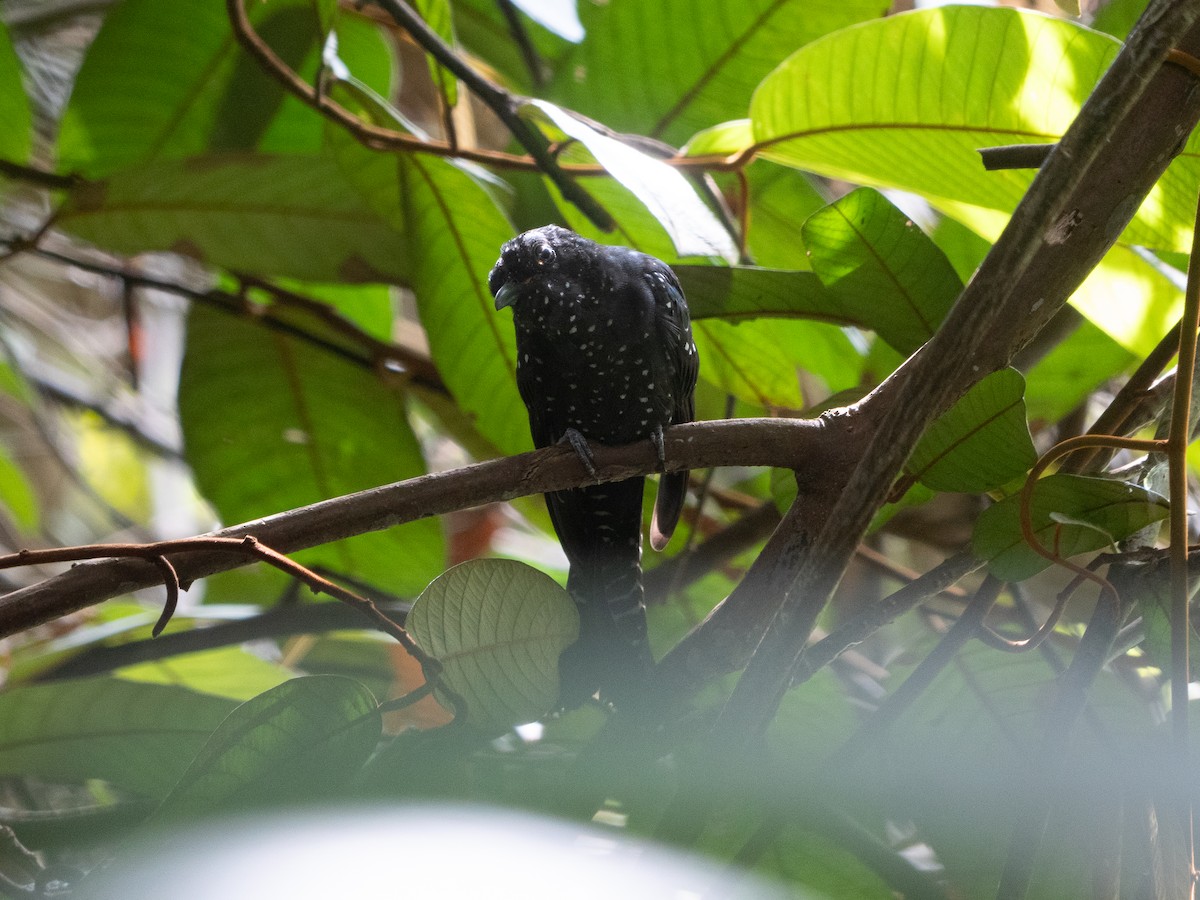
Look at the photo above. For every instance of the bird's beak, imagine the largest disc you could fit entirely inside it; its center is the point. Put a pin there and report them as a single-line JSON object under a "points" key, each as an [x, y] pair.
{"points": [[509, 293]]}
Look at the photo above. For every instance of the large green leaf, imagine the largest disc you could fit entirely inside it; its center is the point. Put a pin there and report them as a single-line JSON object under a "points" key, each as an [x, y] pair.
{"points": [[667, 194], [231, 672], [780, 200], [453, 232], [16, 134], [1070, 514], [883, 269], [759, 361], [479, 22], [964, 748], [271, 423], [293, 216], [498, 627], [437, 16], [137, 736], [1076, 366], [169, 80], [735, 293], [16, 494], [299, 741], [667, 68], [979, 444], [907, 101]]}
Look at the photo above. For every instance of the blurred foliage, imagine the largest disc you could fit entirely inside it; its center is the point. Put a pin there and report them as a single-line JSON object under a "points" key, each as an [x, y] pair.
{"points": [[322, 325]]}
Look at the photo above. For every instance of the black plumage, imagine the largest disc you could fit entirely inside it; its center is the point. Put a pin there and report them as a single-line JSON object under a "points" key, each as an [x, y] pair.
{"points": [[605, 354]]}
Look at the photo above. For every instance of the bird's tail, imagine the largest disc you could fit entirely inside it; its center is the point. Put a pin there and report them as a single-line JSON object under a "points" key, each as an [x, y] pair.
{"points": [[600, 528]]}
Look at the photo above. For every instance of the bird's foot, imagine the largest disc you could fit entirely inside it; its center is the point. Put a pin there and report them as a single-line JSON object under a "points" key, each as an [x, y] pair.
{"points": [[656, 438], [582, 449]]}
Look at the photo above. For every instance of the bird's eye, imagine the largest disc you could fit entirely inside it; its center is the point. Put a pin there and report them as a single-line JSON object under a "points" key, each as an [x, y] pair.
{"points": [[545, 255]]}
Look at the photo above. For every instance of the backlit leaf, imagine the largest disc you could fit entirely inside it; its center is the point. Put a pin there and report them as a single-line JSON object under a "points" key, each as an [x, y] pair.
{"points": [[498, 627], [1112, 509]]}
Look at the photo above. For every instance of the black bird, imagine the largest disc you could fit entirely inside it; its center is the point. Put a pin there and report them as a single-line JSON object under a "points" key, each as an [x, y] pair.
{"points": [[604, 353]]}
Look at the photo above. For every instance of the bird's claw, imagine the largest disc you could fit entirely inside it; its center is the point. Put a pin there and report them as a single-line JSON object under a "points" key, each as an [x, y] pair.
{"points": [[582, 449], [656, 438]]}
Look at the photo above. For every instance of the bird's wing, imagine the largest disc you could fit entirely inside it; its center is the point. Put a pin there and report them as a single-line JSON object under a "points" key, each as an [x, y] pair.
{"points": [[675, 331]]}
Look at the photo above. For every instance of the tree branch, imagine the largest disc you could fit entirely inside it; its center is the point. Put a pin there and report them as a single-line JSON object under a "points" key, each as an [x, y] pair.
{"points": [[755, 442], [1080, 201]]}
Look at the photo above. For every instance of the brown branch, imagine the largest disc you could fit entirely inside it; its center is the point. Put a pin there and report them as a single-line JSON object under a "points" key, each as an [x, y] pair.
{"points": [[937, 580], [503, 104], [157, 553], [375, 353], [1080, 201], [379, 138], [39, 177], [755, 442]]}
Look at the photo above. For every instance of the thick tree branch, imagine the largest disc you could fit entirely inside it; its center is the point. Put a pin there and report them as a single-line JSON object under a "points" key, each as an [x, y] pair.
{"points": [[1089, 188], [763, 442]]}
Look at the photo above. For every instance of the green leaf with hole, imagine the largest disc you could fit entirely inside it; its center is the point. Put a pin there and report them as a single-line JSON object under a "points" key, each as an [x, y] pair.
{"points": [[16, 136], [136, 736], [293, 216], [170, 80], [979, 444], [498, 627], [272, 422], [1112, 510], [301, 741], [908, 100], [883, 269]]}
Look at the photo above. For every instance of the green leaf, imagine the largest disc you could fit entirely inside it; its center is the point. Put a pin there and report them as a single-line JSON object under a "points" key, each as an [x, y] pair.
{"points": [[748, 362], [758, 361], [322, 427], [293, 216], [1068, 374], [734, 293], [907, 101], [664, 190], [1117, 17], [136, 736], [1131, 299], [667, 68], [436, 14], [724, 139], [302, 740], [17, 135], [478, 23], [986, 715], [780, 200], [170, 81], [16, 494], [453, 232], [979, 444], [229, 672], [1112, 509], [882, 268], [498, 627], [459, 231], [636, 226]]}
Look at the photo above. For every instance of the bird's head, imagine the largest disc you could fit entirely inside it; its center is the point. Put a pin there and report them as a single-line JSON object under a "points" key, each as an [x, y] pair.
{"points": [[534, 258]]}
